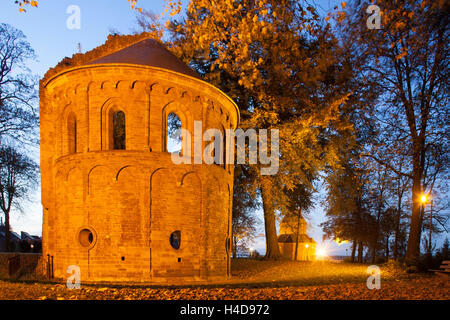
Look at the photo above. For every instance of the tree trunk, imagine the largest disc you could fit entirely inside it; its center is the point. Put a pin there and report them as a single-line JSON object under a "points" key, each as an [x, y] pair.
{"points": [[387, 248], [272, 248], [7, 233], [353, 251], [298, 231], [397, 228], [374, 252], [431, 227], [360, 252], [413, 250]]}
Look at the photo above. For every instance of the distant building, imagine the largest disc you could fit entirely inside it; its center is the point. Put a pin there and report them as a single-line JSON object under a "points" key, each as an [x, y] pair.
{"points": [[306, 250], [23, 243]]}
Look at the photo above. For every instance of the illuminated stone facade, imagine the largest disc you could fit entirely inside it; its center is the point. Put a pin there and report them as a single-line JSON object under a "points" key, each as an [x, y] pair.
{"points": [[132, 214], [288, 238]]}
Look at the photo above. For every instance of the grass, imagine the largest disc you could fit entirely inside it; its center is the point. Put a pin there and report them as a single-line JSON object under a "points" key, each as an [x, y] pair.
{"points": [[253, 273], [254, 280], [279, 273]]}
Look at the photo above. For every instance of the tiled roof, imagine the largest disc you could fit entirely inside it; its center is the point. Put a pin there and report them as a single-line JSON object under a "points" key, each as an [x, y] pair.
{"points": [[148, 52]]}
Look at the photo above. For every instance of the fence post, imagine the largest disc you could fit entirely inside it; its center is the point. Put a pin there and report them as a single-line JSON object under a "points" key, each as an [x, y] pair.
{"points": [[48, 266], [13, 265]]}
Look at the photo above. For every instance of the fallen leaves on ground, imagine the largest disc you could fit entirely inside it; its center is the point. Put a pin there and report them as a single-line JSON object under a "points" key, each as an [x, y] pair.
{"points": [[421, 288], [256, 280]]}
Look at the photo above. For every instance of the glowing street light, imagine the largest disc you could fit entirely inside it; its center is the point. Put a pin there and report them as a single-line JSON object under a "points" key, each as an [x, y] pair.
{"points": [[321, 253], [423, 198]]}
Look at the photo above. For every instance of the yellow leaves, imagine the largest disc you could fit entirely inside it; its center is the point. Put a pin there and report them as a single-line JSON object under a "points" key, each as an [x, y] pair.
{"points": [[264, 31], [132, 3], [245, 52], [202, 41], [175, 7], [341, 16], [343, 4], [401, 55], [23, 3], [399, 25], [423, 4]]}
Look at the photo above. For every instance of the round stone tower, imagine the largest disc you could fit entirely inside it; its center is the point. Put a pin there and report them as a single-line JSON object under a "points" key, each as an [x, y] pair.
{"points": [[114, 202]]}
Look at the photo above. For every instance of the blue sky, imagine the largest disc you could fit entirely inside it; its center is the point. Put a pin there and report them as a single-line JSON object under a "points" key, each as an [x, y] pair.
{"points": [[47, 32], [46, 29]]}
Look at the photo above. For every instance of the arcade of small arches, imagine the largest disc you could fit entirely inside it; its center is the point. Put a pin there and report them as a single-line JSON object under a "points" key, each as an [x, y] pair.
{"points": [[115, 125]]}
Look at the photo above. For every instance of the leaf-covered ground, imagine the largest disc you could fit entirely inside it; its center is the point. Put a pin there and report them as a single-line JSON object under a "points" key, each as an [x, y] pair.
{"points": [[257, 280]]}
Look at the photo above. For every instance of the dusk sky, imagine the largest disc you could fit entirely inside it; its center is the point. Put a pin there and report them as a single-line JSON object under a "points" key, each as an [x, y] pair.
{"points": [[46, 30]]}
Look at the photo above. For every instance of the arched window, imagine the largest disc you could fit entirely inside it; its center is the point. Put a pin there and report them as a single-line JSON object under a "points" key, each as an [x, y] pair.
{"points": [[72, 133], [173, 142], [175, 239], [119, 131]]}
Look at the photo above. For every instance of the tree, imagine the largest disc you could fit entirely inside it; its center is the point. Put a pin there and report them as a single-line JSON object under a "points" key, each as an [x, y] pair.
{"points": [[18, 117], [18, 120], [399, 186], [18, 175], [408, 60], [348, 204], [279, 64]]}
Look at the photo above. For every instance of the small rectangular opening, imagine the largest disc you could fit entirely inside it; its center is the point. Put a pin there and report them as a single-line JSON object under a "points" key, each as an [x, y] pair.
{"points": [[179, 259]]}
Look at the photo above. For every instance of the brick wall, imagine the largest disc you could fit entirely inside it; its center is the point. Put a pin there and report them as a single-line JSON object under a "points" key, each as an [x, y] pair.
{"points": [[30, 262]]}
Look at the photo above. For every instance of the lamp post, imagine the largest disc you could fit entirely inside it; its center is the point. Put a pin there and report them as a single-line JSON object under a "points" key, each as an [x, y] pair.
{"points": [[431, 218], [424, 199]]}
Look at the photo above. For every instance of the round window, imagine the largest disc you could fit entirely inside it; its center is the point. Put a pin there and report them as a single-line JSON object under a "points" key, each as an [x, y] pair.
{"points": [[175, 239], [86, 238]]}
